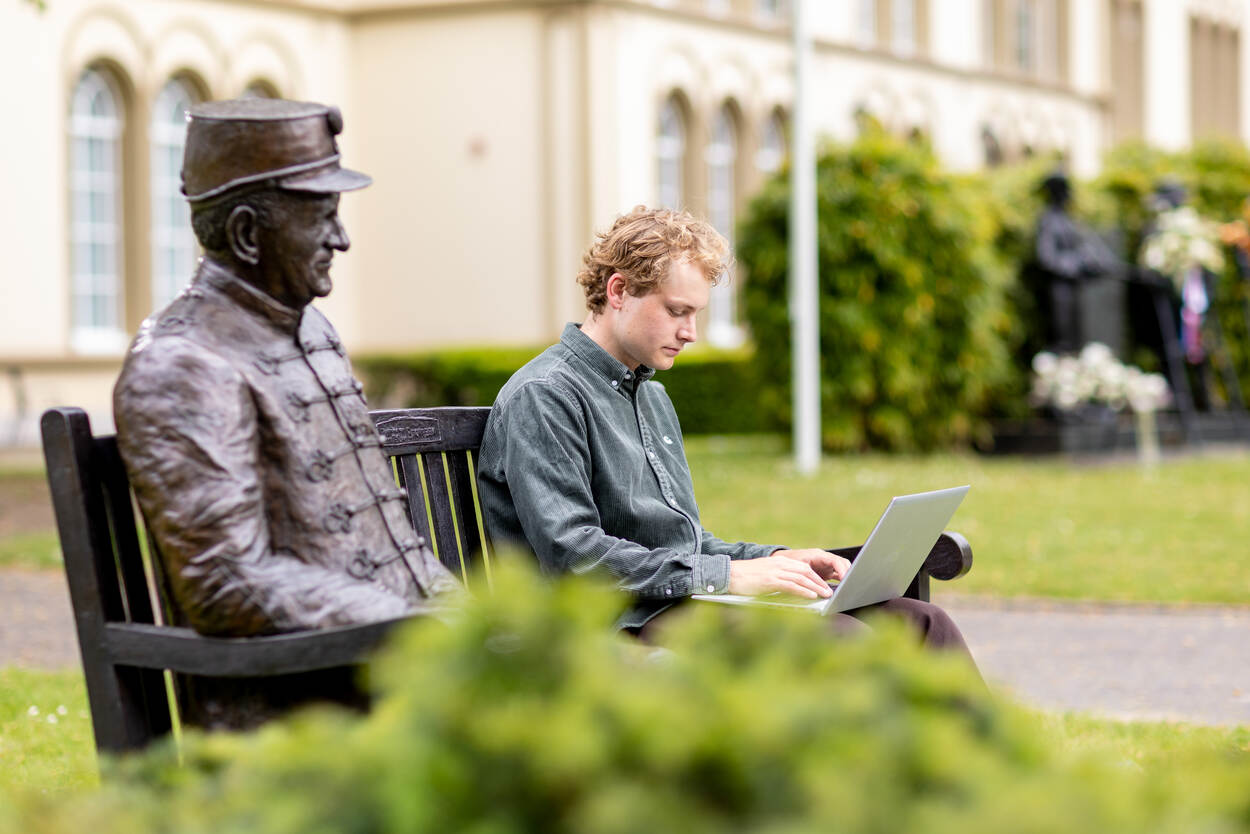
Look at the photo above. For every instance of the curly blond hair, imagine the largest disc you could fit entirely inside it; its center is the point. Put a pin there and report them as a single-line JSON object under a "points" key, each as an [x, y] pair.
{"points": [[643, 246]]}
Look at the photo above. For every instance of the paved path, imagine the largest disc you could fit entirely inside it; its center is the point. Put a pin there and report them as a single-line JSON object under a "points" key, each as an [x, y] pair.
{"points": [[36, 621], [1143, 662], [1124, 661]]}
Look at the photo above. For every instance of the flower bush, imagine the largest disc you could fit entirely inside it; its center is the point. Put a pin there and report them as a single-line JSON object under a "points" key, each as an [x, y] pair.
{"points": [[1182, 241], [1095, 377]]}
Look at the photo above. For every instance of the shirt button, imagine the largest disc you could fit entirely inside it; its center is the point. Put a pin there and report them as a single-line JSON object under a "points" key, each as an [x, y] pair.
{"points": [[651, 455], [711, 589], [668, 592], [615, 383]]}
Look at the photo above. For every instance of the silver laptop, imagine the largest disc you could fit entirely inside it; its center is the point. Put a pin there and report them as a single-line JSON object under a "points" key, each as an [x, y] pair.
{"points": [[888, 561]]}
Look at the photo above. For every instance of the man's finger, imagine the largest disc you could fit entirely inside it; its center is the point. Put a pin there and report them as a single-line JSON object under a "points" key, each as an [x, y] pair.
{"points": [[809, 579]]}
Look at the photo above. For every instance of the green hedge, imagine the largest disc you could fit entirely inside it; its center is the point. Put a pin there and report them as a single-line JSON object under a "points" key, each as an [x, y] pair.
{"points": [[525, 713], [714, 391], [914, 326]]}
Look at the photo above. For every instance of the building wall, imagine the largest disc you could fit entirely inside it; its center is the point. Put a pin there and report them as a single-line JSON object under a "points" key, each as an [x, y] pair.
{"points": [[448, 241], [502, 134]]}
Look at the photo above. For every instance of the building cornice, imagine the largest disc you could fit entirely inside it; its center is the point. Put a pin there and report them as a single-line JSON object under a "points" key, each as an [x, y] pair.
{"points": [[733, 22], [60, 362]]}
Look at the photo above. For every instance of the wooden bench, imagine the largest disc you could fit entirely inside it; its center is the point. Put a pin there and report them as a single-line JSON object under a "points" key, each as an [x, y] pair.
{"points": [[135, 662]]}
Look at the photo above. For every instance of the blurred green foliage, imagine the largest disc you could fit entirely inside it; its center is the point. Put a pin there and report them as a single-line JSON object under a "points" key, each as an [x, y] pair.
{"points": [[525, 713], [915, 330], [713, 390]]}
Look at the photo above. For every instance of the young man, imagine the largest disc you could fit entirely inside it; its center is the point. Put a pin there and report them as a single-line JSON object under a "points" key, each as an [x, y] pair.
{"points": [[583, 462]]}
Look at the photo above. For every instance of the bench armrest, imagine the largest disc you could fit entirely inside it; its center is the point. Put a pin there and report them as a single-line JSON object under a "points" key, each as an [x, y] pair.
{"points": [[950, 558]]}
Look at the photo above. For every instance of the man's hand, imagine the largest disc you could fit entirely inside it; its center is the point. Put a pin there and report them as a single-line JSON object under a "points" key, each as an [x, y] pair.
{"points": [[827, 565], [777, 573]]}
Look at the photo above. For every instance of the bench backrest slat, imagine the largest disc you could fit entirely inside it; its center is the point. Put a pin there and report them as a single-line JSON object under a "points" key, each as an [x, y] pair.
{"points": [[433, 449], [136, 590], [445, 541], [410, 480]]}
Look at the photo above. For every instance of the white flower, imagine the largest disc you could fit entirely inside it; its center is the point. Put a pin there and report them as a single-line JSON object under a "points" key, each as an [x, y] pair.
{"points": [[51, 718], [61, 710], [33, 712], [1044, 363], [1096, 376], [1096, 353]]}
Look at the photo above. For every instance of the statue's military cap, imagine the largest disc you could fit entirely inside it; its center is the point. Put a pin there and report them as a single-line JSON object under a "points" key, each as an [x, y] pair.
{"points": [[259, 143]]}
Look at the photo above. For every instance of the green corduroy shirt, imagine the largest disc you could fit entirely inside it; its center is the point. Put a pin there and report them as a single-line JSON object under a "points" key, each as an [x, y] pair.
{"points": [[583, 463]]}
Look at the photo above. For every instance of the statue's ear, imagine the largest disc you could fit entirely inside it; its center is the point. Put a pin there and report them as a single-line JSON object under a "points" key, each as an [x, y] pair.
{"points": [[243, 234]]}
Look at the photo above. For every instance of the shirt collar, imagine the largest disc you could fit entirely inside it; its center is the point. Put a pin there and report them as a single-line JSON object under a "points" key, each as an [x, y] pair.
{"points": [[260, 304], [617, 375]]}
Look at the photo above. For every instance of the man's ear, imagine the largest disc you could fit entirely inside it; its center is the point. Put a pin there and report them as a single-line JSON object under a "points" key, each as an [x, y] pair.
{"points": [[616, 290], [243, 234]]}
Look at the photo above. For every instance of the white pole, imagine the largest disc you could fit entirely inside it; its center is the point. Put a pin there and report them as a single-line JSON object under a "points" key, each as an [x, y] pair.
{"points": [[804, 289]]}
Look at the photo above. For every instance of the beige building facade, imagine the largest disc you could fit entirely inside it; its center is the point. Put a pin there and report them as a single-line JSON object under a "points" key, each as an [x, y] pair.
{"points": [[502, 133]]}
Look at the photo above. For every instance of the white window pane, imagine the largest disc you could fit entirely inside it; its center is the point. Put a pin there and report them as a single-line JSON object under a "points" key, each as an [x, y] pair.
{"points": [[772, 145], [867, 22], [1025, 33], [670, 156], [721, 157], [171, 234], [903, 26], [95, 147]]}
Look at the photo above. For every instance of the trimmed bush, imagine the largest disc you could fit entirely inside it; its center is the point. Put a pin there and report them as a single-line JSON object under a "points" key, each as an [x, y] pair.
{"points": [[525, 713], [714, 391], [914, 326]]}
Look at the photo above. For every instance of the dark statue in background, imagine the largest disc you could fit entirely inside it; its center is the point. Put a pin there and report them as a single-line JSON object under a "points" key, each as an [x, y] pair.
{"points": [[245, 435], [1083, 296]]}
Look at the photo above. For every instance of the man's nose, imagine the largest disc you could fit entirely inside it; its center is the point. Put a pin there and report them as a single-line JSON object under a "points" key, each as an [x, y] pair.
{"points": [[688, 331], [338, 238]]}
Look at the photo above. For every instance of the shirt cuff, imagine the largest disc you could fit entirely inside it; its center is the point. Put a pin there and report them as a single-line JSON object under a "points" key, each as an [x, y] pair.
{"points": [[710, 574]]}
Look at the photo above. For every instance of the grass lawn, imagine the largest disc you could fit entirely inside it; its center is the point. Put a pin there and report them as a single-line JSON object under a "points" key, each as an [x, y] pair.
{"points": [[31, 550], [1147, 744], [45, 732], [1037, 528]]}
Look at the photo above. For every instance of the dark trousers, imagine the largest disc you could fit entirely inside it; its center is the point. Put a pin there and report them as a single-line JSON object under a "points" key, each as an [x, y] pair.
{"points": [[934, 627]]}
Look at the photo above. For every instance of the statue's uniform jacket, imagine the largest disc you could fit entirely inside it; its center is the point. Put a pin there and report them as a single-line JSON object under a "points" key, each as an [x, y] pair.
{"points": [[259, 471]]}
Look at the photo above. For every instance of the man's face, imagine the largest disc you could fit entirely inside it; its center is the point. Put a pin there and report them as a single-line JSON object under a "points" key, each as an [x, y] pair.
{"points": [[298, 246], [652, 329]]}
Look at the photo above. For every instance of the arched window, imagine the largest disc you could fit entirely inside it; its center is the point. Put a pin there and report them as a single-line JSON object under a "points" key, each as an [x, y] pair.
{"points": [[174, 249], [1026, 32], [866, 23], [95, 131], [722, 158], [903, 27], [259, 88], [671, 155], [772, 150]]}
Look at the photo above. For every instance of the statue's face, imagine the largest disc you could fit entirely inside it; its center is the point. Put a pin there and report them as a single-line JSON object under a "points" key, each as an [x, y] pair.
{"points": [[299, 245]]}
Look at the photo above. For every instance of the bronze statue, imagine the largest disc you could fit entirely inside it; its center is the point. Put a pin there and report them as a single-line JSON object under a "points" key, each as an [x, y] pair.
{"points": [[1074, 261], [245, 435]]}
